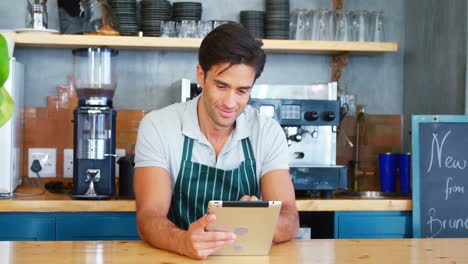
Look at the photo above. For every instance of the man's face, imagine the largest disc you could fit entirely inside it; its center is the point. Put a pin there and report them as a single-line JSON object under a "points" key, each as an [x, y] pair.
{"points": [[225, 92]]}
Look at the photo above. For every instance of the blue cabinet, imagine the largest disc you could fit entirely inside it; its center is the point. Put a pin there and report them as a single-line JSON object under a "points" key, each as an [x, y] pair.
{"points": [[386, 224], [96, 226], [68, 226], [122, 225], [26, 226]]}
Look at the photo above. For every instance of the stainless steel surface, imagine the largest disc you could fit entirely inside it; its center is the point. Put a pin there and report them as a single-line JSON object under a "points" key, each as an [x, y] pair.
{"points": [[317, 145], [361, 139], [361, 131], [93, 175], [94, 135], [326, 91], [96, 101], [313, 151], [370, 194], [94, 149], [185, 90]]}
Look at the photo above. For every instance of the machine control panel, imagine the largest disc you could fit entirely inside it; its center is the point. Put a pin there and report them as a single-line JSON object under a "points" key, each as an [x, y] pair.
{"points": [[292, 112], [311, 116], [319, 178]]}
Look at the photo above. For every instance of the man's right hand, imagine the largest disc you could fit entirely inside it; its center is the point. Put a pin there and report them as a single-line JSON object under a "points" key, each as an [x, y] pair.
{"points": [[199, 244]]}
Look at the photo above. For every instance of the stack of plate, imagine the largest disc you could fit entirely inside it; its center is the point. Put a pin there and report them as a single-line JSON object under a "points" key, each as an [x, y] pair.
{"points": [[153, 12], [253, 21], [186, 11], [125, 15], [277, 19]]}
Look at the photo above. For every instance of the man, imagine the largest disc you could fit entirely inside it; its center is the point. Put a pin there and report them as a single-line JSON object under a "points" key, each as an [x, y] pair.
{"points": [[213, 147]]}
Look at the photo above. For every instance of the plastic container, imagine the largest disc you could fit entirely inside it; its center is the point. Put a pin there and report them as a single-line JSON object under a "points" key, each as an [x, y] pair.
{"points": [[95, 72]]}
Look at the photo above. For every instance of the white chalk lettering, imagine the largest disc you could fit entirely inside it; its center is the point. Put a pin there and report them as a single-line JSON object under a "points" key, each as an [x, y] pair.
{"points": [[436, 225], [454, 164], [437, 153], [451, 189]]}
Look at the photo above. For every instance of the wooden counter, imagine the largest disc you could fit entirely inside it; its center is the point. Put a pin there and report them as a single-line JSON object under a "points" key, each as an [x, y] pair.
{"points": [[63, 203], [312, 251]]}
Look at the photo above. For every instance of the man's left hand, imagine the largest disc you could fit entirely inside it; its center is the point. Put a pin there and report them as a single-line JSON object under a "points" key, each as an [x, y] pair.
{"points": [[249, 198]]}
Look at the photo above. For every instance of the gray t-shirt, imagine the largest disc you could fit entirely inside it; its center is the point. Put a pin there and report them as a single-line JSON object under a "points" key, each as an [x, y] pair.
{"points": [[161, 138]]}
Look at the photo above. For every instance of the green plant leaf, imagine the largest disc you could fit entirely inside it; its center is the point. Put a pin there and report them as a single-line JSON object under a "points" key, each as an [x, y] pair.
{"points": [[4, 60], [6, 102], [6, 106]]}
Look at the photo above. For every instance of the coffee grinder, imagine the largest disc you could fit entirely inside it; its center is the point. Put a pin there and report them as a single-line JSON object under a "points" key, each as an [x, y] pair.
{"points": [[94, 123]]}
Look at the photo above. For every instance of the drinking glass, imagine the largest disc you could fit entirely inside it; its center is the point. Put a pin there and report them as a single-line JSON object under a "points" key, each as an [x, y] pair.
{"points": [[36, 17], [168, 29], [186, 29], [217, 23], [297, 25], [309, 24], [387, 169], [343, 26], [360, 20], [293, 24], [323, 25], [203, 28], [351, 102], [341, 93], [376, 28]]}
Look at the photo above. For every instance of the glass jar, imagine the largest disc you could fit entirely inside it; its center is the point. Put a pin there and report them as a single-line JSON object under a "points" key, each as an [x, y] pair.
{"points": [[98, 18], [37, 17]]}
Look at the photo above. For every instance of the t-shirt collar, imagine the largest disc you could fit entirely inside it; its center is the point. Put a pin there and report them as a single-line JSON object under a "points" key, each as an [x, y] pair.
{"points": [[191, 128]]}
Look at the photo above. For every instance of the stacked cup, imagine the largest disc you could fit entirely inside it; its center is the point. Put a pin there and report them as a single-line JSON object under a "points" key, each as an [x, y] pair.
{"points": [[388, 165], [341, 25]]}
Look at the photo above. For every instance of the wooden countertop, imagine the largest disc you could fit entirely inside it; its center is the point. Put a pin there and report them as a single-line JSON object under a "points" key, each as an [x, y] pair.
{"points": [[312, 251], [50, 202]]}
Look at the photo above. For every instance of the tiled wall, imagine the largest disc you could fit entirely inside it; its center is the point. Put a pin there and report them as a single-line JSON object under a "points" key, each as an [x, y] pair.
{"points": [[52, 127], [384, 134]]}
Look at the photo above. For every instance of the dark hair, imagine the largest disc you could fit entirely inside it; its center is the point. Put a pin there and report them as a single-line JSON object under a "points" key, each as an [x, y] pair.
{"points": [[234, 44]]}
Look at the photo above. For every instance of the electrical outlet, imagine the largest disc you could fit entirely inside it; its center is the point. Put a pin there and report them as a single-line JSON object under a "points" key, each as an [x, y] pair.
{"points": [[47, 157], [68, 163], [120, 153]]}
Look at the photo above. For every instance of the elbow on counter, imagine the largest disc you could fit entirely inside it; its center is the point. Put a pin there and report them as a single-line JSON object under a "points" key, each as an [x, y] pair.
{"points": [[287, 227]]}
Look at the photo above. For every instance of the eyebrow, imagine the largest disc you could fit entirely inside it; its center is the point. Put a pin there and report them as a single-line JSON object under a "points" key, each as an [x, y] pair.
{"points": [[228, 85]]}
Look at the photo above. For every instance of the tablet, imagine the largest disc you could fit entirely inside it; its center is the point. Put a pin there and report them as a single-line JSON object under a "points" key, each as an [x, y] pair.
{"points": [[253, 222]]}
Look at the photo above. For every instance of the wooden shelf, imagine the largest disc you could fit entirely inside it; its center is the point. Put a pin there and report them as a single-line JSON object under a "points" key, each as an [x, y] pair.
{"points": [[51, 202], [155, 43]]}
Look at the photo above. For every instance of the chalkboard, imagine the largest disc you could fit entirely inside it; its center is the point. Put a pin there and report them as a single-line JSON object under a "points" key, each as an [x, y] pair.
{"points": [[440, 174]]}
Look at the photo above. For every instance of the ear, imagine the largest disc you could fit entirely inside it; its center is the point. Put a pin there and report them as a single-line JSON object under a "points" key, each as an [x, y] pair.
{"points": [[200, 75]]}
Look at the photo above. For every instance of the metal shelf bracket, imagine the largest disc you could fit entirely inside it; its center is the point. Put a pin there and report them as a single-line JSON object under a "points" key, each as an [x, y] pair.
{"points": [[337, 4], [338, 62]]}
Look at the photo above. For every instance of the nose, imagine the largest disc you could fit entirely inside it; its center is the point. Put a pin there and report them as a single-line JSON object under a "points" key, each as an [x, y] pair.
{"points": [[229, 99]]}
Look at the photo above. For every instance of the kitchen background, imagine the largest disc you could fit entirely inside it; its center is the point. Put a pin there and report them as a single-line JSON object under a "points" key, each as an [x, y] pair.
{"points": [[426, 75]]}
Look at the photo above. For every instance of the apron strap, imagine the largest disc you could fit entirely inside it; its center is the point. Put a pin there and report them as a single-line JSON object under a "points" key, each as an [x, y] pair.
{"points": [[187, 150], [247, 147]]}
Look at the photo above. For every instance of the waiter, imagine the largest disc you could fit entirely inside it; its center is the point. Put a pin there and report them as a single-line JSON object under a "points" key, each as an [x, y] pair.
{"points": [[213, 147]]}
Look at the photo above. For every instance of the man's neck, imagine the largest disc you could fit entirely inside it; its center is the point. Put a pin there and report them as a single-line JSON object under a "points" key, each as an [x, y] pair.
{"points": [[215, 134]]}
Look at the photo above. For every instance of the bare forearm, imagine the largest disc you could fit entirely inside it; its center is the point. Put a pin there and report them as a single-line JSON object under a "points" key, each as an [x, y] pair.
{"points": [[159, 232], [288, 224]]}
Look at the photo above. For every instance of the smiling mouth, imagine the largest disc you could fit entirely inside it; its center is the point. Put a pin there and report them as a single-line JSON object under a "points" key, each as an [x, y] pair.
{"points": [[226, 113]]}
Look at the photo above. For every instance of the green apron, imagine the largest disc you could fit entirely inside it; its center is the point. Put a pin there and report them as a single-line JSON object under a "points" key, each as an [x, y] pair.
{"points": [[197, 184]]}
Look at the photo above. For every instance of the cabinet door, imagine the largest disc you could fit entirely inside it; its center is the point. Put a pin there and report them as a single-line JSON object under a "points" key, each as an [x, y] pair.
{"points": [[26, 227], [388, 224], [96, 226]]}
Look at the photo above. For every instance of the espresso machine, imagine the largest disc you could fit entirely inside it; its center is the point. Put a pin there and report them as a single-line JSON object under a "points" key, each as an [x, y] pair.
{"points": [[94, 153], [309, 116]]}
